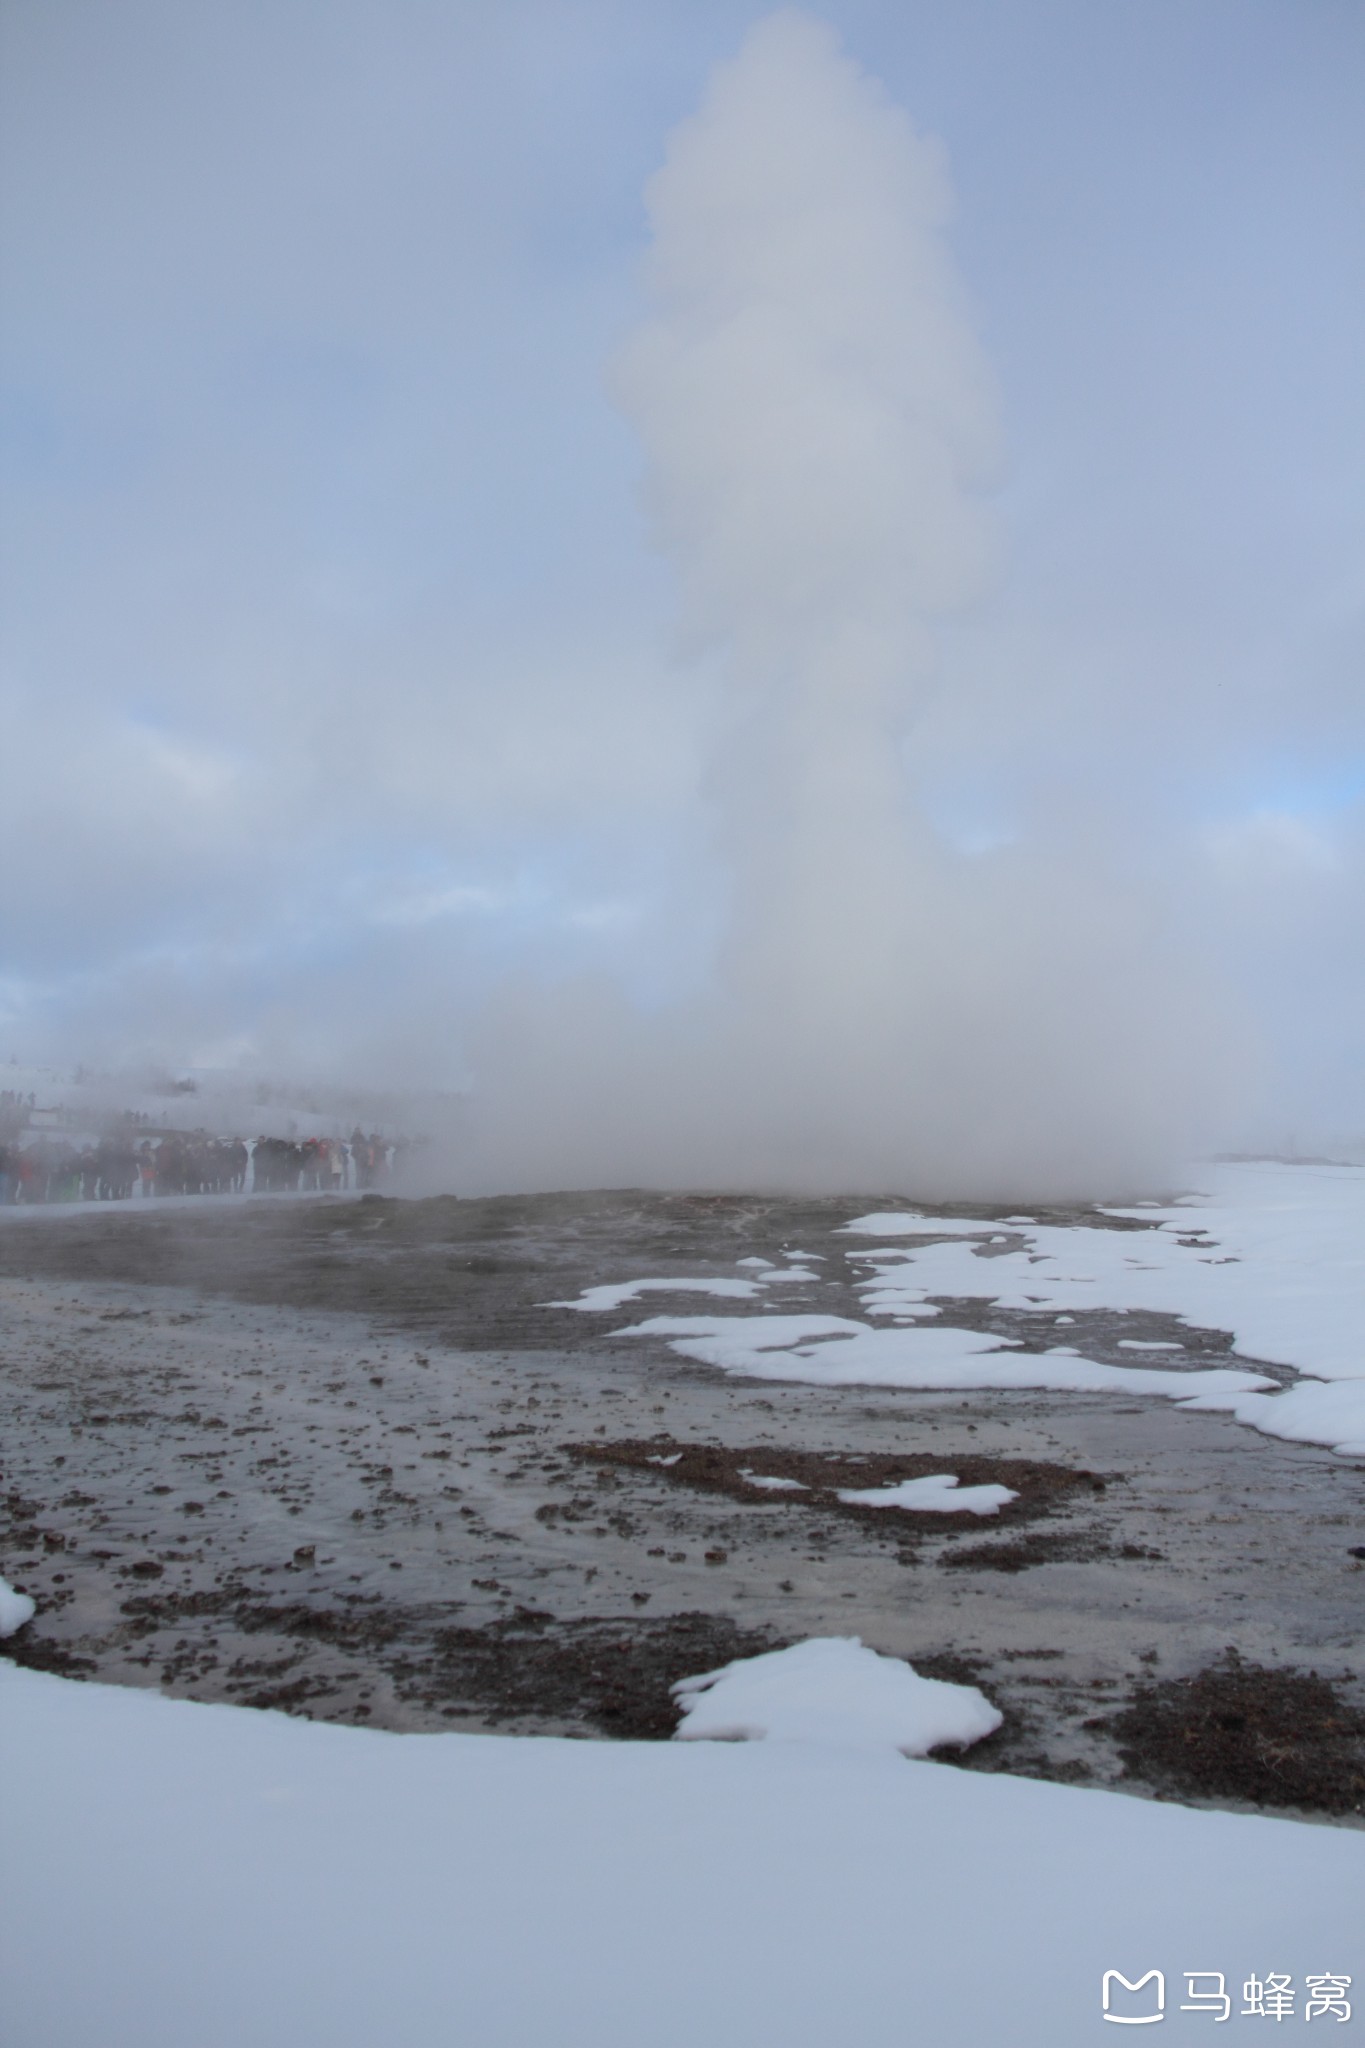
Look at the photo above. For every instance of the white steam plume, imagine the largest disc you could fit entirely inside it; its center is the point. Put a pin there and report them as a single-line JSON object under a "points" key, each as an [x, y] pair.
{"points": [[820, 424]]}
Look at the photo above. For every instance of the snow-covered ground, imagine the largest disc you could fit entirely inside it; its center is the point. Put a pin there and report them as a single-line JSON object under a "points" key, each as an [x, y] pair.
{"points": [[1273, 1253], [175, 1874]]}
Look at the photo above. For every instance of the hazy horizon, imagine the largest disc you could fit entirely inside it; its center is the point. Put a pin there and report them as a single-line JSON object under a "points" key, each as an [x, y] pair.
{"points": [[772, 599]]}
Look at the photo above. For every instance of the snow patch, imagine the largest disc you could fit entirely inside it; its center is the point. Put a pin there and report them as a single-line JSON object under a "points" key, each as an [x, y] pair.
{"points": [[597, 1300], [15, 1608], [831, 1690], [831, 1351], [1275, 1253], [907, 1223], [939, 1494]]}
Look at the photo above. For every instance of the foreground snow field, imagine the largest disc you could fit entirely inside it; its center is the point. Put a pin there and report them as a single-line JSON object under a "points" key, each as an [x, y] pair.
{"points": [[183, 1876]]}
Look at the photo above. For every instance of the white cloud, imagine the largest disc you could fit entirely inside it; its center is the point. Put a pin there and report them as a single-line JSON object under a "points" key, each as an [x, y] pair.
{"points": [[1270, 846]]}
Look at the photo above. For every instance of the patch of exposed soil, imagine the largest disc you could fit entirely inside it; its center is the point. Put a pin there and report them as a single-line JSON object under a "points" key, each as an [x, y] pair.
{"points": [[615, 1675], [37, 1653], [1239, 1731], [815, 1479], [612, 1675], [358, 1625], [1027, 1551]]}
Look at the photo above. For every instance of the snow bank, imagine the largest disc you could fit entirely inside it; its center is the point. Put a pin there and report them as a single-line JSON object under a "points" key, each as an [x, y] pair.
{"points": [[832, 1690], [15, 1608], [175, 1873], [1275, 1254], [832, 1351], [939, 1494], [1313, 1412]]}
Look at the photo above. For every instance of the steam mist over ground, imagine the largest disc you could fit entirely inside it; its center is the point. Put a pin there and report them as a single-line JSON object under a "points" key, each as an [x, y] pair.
{"points": [[963, 790], [821, 428]]}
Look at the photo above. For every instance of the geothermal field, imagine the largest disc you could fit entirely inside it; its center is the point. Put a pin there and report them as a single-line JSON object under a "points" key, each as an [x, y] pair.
{"points": [[682, 876], [522, 1466], [524, 1463]]}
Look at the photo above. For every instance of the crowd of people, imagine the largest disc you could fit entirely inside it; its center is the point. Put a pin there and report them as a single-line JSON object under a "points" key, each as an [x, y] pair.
{"points": [[320, 1165], [118, 1167]]}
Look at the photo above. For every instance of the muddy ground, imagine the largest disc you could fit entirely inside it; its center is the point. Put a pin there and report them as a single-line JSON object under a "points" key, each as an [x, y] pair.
{"points": [[341, 1457]]}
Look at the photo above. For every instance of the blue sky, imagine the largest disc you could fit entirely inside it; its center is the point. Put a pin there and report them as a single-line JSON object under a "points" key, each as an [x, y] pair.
{"points": [[340, 677]]}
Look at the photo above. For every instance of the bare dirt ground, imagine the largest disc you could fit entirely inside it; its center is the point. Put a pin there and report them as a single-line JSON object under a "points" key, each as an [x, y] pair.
{"points": [[340, 1457]]}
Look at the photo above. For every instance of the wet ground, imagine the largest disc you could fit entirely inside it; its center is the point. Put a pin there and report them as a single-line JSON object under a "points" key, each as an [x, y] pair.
{"points": [[341, 1457]]}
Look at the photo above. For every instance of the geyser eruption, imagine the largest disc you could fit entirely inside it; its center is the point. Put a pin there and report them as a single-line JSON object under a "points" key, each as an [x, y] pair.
{"points": [[818, 421], [820, 427]]}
